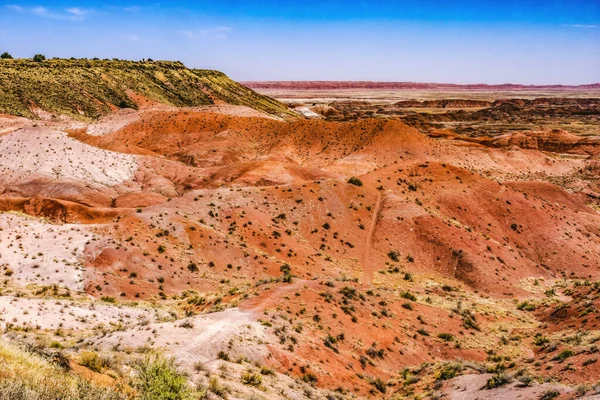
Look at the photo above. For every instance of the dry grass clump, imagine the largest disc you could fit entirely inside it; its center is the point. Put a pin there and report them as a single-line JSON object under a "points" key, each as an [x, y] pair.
{"points": [[25, 376]]}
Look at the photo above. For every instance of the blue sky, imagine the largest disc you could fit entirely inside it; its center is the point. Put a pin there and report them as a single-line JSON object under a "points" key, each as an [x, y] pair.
{"points": [[530, 42]]}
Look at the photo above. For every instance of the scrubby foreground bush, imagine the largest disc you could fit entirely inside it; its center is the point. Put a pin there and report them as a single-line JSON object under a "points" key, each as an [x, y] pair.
{"points": [[24, 376], [27, 376], [158, 379]]}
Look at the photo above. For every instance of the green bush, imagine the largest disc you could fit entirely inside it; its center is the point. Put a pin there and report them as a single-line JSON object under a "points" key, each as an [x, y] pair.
{"points": [[408, 296], [158, 379], [251, 379], [6, 55], [91, 361], [526, 306], [498, 380], [550, 394], [449, 371], [378, 384], [564, 355], [446, 337], [39, 58], [108, 299], [355, 181]]}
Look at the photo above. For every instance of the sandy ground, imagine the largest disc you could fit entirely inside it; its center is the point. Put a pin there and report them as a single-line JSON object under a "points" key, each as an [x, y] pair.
{"points": [[43, 152], [66, 314], [307, 112], [40, 253], [199, 338], [9, 123], [469, 387]]}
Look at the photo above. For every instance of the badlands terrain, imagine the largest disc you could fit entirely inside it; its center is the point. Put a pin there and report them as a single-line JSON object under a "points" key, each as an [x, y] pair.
{"points": [[169, 233]]}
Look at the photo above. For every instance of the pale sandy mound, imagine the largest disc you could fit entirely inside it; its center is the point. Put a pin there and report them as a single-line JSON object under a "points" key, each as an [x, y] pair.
{"points": [[41, 253], [52, 314], [199, 338], [9, 123], [113, 122], [43, 152], [471, 387]]}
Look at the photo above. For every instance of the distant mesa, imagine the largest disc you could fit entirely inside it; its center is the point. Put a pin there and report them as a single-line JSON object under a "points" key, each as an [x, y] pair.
{"points": [[334, 85]]}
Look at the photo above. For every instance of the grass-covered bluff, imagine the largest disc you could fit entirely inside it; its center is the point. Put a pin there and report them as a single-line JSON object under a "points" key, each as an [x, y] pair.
{"points": [[88, 89]]}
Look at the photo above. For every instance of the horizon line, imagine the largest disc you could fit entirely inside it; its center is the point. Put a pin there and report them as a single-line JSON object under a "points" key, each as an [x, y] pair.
{"points": [[345, 82]]}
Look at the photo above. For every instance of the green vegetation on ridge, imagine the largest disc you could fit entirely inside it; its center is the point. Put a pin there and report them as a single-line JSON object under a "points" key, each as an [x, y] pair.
{"points": [[89, 89]]}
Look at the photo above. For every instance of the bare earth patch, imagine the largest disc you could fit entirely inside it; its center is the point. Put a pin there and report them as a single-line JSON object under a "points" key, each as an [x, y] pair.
{"points": [[36, 252]]}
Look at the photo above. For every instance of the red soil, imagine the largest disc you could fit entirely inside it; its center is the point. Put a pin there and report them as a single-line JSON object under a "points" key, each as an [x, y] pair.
{"points": [[226, 206]]}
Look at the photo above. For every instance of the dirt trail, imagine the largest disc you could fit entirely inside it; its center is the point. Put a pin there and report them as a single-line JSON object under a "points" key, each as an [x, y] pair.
{"points": [[367, 266], [272, 297]]}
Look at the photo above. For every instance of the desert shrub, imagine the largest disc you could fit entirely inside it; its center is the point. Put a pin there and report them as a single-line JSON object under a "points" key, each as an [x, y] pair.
{"points": [[589, 361], [550, 394], [108, 299], [39, 58], [192, 267], [217, 388], [91, 361], [540, 340], [563, 355], [287, 273], [449, 371], [446, 337], [408, 296], [251, 379], [525, 380], [266, 371], [158, 379], [6, 55], [355, 181], [310, 378], [394, 255], [526, 306], [349, 293], [27, 376], [378, 384], [498, 380]]}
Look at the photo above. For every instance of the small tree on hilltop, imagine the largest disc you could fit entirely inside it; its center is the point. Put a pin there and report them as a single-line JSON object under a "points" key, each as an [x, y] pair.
{"points": [[6, 55], [39, 58]]}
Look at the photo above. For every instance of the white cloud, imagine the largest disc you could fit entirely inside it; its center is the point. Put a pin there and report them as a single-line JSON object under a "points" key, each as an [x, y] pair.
{"points": [[133, 38], [219, 32], [585, 26], [188, 34], [80, 12], [41, 11], [69, 14], [15, 7]]}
